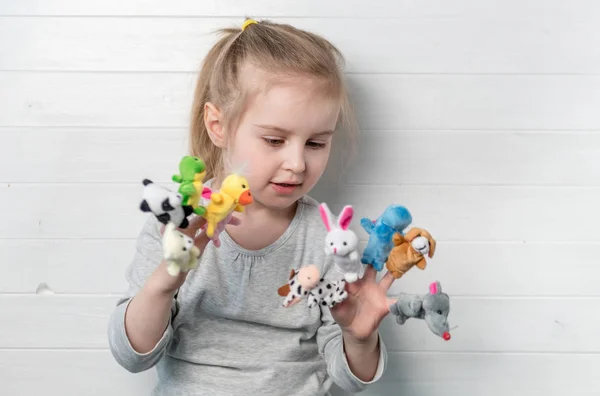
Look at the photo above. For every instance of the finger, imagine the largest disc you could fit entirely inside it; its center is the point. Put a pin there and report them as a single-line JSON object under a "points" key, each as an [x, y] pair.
{"points": [[196, 223], [234, 221], [201, 240], [370, 273], [386, 281], [352, 288]]}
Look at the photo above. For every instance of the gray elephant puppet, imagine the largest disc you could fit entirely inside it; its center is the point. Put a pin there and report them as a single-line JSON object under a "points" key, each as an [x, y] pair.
{"points": [[432, 307]]}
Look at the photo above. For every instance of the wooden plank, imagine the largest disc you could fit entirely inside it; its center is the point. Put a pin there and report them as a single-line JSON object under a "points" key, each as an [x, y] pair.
{"points": [[90, 155], [59, 372], [75, 155], [476, 101], [74, 372], [72, 210], [527, 158], [383, 101], [510, 44], [80, 266], [124, 99], [484, 324], [311, 8], [54, 321], [429, 374], [451, 213], [506, 269]]}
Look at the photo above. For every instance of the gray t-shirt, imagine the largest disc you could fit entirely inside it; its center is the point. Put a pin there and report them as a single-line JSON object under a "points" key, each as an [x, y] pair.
{"points": [[229, 333]]}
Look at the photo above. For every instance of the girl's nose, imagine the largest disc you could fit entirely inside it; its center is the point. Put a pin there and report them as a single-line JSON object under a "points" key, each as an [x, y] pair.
{"points": [[294, 160]]}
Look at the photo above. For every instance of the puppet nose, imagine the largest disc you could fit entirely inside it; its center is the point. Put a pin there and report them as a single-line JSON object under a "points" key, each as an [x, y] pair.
{"points": [[446, 336], [246, 198], [334, 250]]}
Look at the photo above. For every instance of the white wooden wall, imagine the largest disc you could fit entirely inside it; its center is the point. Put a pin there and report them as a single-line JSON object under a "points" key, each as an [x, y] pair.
{"points": [[482, 117]]}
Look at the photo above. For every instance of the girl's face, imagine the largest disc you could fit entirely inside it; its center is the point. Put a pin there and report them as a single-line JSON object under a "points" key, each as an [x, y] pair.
{"points": [[284, 140]]}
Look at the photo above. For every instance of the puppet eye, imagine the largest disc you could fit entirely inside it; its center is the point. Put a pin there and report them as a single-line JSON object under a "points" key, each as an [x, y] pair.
{"points": [[345, 244], [439, 312]]}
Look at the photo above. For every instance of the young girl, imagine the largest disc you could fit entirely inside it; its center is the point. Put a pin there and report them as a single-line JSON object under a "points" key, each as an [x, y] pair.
{"points": [[269, 99]]}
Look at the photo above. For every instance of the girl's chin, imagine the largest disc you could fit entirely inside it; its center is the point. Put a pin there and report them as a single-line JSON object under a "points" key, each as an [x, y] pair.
{"points": [[275, 201]]}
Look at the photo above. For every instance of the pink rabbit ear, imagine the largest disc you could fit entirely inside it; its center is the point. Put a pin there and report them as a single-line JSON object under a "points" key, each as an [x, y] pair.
{"points": [[324, 210], [435, 288], [346, 217]]}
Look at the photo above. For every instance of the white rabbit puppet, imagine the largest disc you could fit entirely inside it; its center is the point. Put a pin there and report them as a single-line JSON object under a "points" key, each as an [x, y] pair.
{"points": [[342, 243]]}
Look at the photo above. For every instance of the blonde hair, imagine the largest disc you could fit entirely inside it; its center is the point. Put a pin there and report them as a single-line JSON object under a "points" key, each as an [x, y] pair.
{"points": [[278, 49]]}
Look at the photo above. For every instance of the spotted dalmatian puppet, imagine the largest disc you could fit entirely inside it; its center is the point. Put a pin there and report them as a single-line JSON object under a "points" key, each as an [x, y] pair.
{"points": [[306, 282]]}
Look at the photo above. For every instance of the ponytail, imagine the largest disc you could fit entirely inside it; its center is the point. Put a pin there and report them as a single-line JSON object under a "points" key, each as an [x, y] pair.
{"points": [[200, 142]]}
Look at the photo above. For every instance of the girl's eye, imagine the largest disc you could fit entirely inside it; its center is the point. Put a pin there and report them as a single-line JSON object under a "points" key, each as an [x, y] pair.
{"points": [[315, 145], [274, 142]]}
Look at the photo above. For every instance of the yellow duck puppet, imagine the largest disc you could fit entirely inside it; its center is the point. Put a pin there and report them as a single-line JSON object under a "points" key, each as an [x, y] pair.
{"points": [[233, 196]]}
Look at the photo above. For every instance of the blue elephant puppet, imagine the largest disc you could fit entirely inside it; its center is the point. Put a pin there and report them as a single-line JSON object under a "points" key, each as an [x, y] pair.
{"points": [[394, 219]]}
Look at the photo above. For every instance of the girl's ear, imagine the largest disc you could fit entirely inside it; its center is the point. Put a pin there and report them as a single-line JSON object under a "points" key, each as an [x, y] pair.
{"points": [[345, 217], [326, 216], [214, 124]]}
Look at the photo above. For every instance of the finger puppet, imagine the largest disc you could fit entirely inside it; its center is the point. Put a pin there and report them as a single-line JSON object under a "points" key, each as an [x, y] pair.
{"points": [[327, 293], [165, 204], [233, 196], [306, 282], [394, 219], [300, 282], [179, 251], [410, 250], [433, 307], [191, 182], [221, 224], [342, 243]]}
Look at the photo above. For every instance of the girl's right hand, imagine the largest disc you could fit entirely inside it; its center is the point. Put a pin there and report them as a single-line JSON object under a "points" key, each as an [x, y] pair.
{"points": [[160, 281]]}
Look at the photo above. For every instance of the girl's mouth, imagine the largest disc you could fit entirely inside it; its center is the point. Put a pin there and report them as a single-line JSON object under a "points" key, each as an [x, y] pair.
{"points": [[284, 188]]}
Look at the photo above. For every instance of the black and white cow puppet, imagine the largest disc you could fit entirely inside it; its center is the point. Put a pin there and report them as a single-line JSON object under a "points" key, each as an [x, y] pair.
{"points": [[164, 204], [307, 282]]}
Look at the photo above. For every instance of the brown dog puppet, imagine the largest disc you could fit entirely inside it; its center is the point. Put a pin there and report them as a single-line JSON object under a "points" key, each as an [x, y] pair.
{"points": [[410, 250]]}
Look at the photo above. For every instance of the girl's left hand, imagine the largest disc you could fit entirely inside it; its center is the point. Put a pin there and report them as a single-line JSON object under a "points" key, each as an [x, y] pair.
{"points": [[362, 311]]}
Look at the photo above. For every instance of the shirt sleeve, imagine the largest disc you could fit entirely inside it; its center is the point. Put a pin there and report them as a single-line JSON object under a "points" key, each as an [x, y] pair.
{"points": [[146, 259], [331, 347]]}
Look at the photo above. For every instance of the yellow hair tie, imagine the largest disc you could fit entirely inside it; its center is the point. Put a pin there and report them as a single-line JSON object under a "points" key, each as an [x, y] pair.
{"points": [[247, 23]]}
